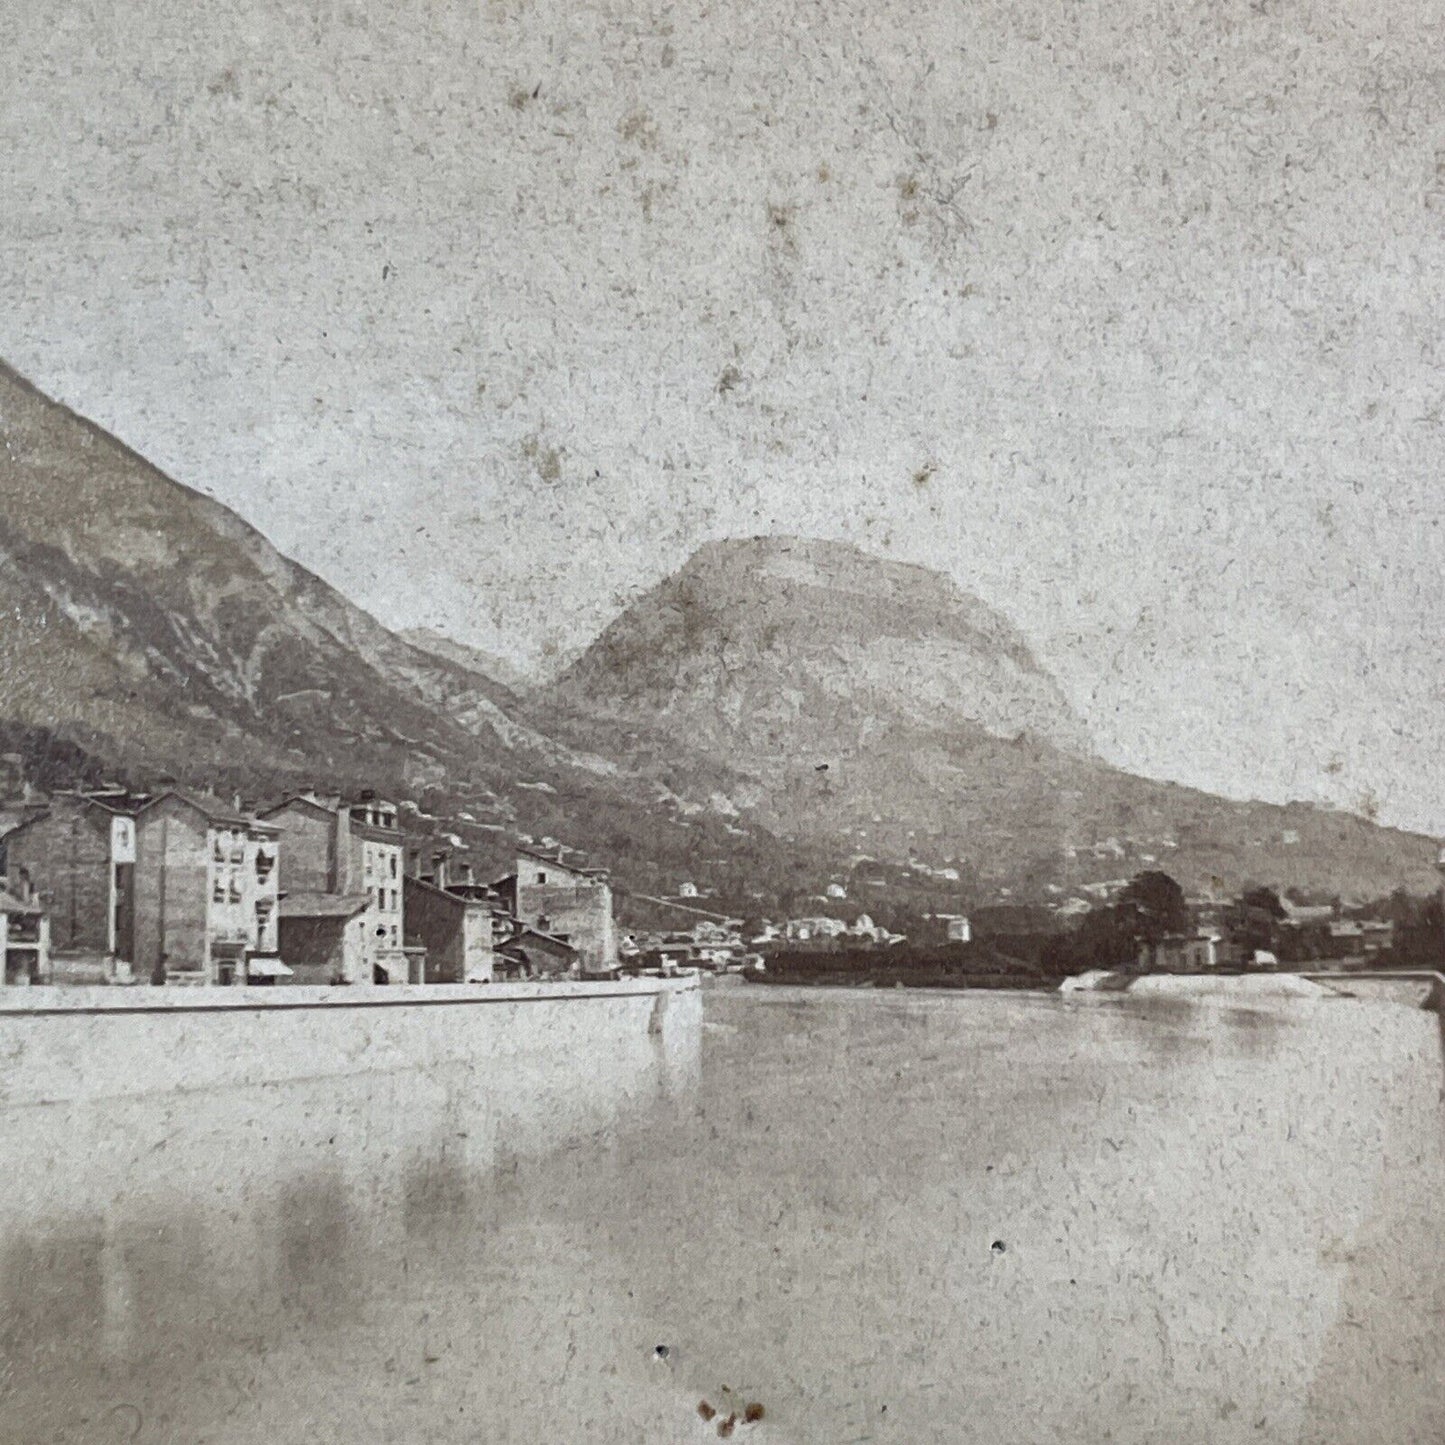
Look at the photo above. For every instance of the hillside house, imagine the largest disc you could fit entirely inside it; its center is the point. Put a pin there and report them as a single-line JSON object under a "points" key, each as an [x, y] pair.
{"points": [[558, 897], [343, 913], [957, 927], [811, 930]]}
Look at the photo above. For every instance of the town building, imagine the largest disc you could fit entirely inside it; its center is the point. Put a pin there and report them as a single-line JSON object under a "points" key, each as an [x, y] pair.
{"points": [[323, 937], [166, 888], [1360, 937], [24, 940], [530, 953], [343, 909], [558, 897], [811, 930], [77, 856], [957, 927], [455, 929], [1180, 953], [204, 893]]}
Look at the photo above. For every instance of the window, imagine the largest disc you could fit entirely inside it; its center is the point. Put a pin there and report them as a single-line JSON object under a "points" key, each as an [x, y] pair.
{"points": [[541, 877], [393, 865]]}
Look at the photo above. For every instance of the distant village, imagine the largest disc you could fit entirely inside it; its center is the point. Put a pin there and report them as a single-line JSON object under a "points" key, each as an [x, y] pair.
{"points": [[112, 886]]}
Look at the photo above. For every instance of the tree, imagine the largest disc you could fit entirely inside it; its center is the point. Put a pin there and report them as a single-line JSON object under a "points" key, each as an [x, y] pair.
{"points": [[1154, 905]]}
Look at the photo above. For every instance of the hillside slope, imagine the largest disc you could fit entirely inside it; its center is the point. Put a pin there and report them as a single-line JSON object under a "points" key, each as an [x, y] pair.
{"points": [[473, 659], [774, 713], [779, 644], [152, 632], [878, 706]]}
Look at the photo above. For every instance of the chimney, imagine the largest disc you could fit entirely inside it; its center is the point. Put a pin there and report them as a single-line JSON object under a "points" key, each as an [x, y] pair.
{"points": [[340, 869], [464, 872], [439, 867]]}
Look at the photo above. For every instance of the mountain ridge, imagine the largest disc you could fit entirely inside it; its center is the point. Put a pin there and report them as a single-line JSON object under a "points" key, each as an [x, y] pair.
{"points": [[158, 633], [767, 716], [801, 616], [876, 704]]}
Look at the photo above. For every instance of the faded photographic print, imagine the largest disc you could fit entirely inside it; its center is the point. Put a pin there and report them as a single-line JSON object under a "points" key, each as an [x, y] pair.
{"points": [[722, 722]]}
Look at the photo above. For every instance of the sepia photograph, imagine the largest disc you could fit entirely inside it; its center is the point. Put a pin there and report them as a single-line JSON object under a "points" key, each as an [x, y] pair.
{"points": [[722, 722]]}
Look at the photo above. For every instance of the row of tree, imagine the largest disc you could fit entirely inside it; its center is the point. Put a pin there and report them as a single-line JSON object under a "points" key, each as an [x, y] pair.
{"points": [[1152, 907]]}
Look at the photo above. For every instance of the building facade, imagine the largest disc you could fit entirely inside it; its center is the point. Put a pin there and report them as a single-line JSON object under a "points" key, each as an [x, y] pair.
{"points": [[1183, 952], [456, 932], [335, 850], [564, 900], [205, 882], [77, 856], [169, 888], [24, 940]]}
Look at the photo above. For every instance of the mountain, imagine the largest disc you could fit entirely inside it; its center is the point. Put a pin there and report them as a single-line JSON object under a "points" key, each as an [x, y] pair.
{"points": [[150, 633], [790, 647], [879, 707], [474, 659], [778, 714]]}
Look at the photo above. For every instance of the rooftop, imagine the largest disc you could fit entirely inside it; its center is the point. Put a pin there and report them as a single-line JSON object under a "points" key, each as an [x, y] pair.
{"points": [[323, 905], [559, 858]]}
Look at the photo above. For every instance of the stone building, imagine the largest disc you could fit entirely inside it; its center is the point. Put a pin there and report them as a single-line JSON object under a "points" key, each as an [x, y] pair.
{"points": [[323, 937], [78, 855], [560, 898], [171, 887], [455, 928], [205, 893], [343, 891]]}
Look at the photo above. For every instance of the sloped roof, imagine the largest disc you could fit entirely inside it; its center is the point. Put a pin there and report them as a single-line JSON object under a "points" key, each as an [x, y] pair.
{"points": [[525, 936], [458, 895], [302, 800], [323, 905], [212, 809], [558, 858]]}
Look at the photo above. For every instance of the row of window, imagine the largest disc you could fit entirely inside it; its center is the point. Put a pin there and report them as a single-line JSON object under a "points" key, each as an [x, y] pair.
{"points": [[380, 862]]}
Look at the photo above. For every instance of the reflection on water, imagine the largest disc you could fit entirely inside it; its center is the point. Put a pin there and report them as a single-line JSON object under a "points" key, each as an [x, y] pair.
{"points": [[1217, 1225]]}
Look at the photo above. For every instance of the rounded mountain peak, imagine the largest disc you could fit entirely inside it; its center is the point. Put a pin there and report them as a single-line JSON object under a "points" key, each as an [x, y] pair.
{"points": [[826, 633]]}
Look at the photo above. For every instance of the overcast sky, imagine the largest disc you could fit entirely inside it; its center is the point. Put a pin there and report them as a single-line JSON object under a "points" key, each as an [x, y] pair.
{"points": [[1126, 315]]}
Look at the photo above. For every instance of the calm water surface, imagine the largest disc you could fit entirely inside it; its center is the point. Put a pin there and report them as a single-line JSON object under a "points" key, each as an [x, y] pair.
{"points": [[883, 1217]]}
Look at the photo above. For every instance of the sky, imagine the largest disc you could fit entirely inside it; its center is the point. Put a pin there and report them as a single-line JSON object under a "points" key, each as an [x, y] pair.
{"points": [[1125, 315]]}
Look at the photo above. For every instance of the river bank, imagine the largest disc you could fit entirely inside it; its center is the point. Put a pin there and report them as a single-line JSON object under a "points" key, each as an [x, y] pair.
{"points": [[70, 1043]]}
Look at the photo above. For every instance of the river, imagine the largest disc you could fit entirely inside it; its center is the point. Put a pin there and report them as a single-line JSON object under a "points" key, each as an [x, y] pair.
{"points": [[877, 1216]]}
